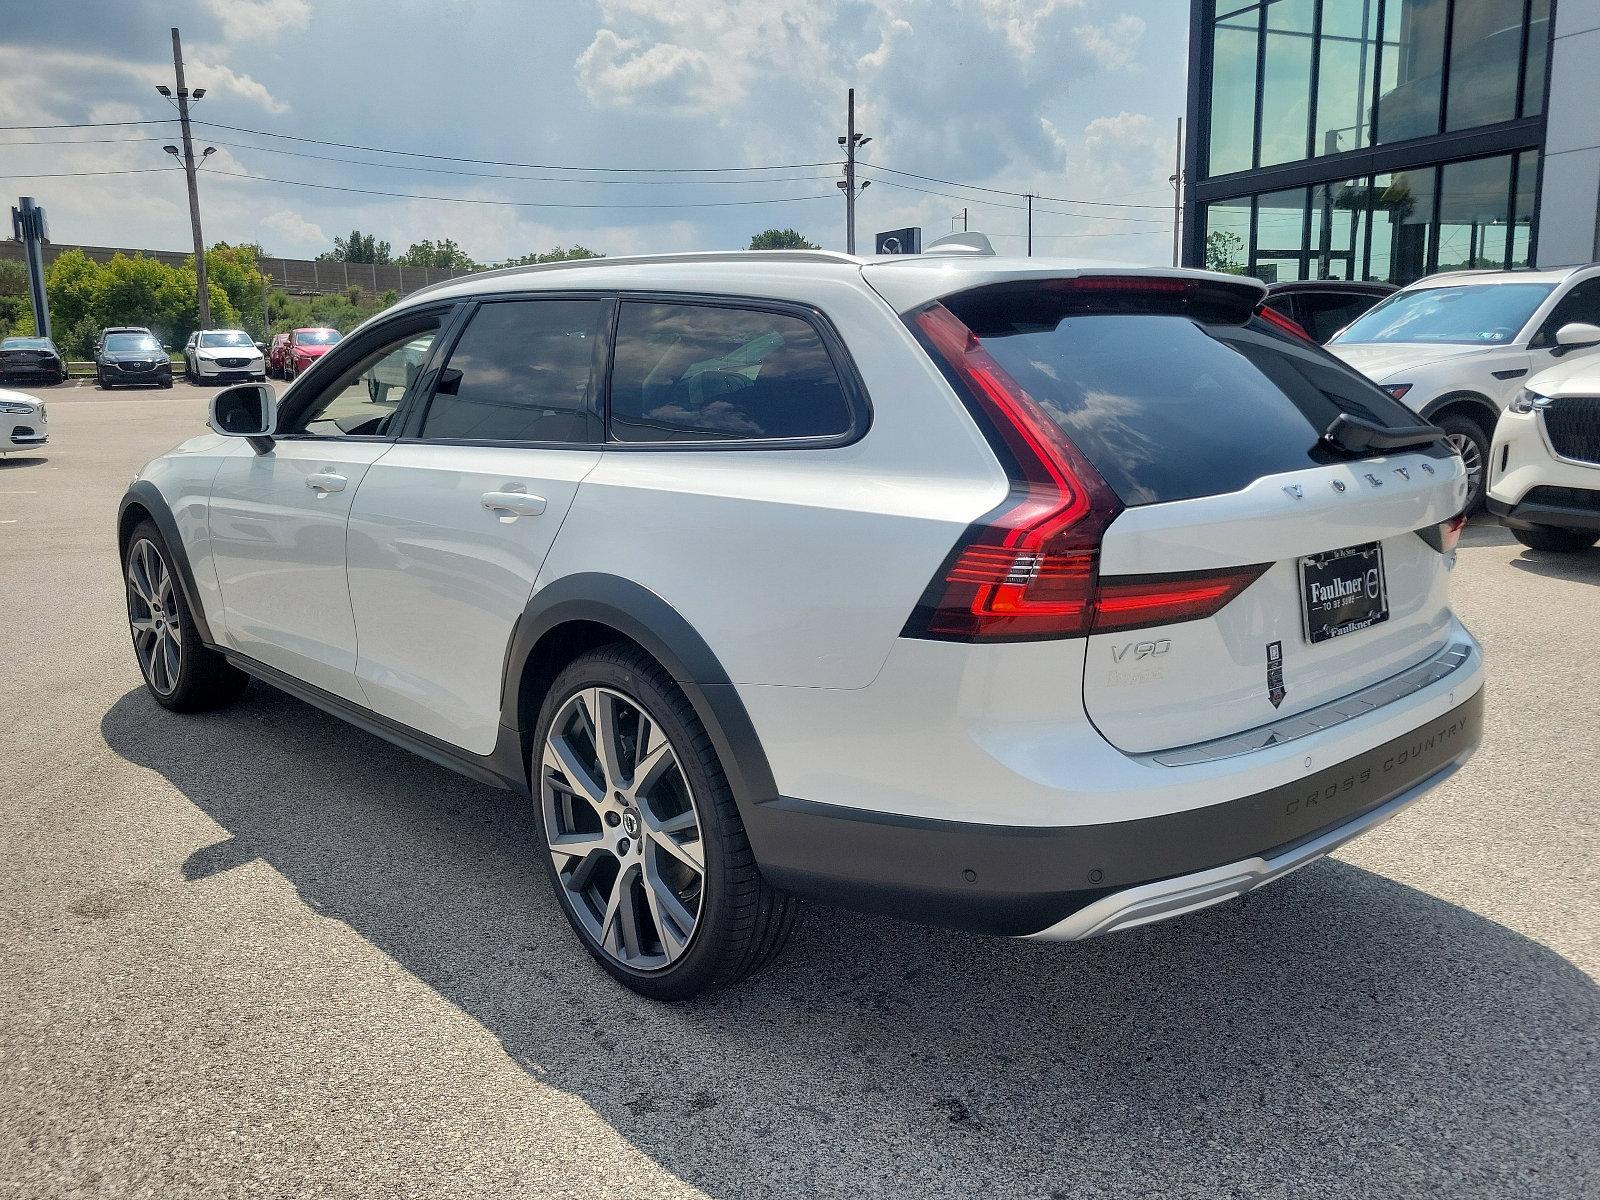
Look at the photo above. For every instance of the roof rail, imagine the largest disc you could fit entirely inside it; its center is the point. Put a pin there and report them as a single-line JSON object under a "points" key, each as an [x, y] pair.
{"points": [[691, 256]]}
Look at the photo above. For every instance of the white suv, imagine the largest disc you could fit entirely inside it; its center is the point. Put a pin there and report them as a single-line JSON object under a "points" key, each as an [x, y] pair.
{"points": [[1544, 470], [1457, 348], [1015, 595], [221, 354]]}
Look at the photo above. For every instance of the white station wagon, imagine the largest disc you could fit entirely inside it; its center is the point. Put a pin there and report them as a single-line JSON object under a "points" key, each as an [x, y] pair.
{"points": [[1015, 595]]}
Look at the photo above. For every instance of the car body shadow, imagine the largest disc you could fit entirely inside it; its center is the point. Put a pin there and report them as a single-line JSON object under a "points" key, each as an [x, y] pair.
{"points": [[1342, 1035], [15, 462], [1580, 567]]}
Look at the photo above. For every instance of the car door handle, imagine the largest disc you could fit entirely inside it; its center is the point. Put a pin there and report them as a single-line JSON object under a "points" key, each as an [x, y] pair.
{"points": [[325, 482], [513, 504]]}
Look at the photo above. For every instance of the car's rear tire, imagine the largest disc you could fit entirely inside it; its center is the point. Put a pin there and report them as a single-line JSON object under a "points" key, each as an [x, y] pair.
{"points": [[1468, 439], [694, 912], [1560, 541], [180, 671]]}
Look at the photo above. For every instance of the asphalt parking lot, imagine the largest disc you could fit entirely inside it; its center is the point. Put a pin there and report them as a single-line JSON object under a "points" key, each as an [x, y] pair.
{"points": [[259, 952]]}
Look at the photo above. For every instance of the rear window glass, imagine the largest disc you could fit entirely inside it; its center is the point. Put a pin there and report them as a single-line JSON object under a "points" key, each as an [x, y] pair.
{"points": [[703, 373], [1167, 407]]}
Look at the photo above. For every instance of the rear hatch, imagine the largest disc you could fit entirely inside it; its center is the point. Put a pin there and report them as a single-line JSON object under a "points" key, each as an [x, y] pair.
{"points": [[1206, 428]]}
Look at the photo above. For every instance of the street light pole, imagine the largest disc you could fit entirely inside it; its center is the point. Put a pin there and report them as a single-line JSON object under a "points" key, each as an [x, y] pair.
{"points": [[202, 291], [851, 141]]}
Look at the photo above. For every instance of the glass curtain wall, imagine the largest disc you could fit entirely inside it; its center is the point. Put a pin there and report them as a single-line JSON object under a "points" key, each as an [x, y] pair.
{"points": [[1295, 79], [1395, 227]]}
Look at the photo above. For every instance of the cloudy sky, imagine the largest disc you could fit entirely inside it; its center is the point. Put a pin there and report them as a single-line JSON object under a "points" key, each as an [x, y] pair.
{"points": [[1071, 99]]}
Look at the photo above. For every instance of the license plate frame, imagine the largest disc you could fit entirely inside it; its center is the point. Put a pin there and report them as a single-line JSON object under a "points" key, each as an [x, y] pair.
{"points": [[1325, 617]]}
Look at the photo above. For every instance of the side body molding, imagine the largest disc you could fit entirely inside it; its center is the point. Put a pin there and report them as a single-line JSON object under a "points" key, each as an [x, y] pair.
{"points": [[147, 496], [640, 614]]}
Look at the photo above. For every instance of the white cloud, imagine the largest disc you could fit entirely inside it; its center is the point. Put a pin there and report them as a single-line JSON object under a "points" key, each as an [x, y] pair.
{"points": [[253, 20], [617, 73], [291, 227], [207, 75], [1115, 46], [1021, 20]]}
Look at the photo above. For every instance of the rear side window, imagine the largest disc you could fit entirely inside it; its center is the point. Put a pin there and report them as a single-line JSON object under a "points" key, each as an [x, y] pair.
{"points": [[708, 373], [1324, 316], [522, 371], [1167, 406]]}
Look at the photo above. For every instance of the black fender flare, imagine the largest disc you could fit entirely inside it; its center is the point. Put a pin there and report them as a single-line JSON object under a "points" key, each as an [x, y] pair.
{"points": [[1486, 409], [146, 495], [637, 613]]}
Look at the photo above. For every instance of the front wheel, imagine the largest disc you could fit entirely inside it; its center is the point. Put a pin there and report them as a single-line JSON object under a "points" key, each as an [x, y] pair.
{"points": [[645, 847], [1467, 439], [1561, 541], [180, 670]]}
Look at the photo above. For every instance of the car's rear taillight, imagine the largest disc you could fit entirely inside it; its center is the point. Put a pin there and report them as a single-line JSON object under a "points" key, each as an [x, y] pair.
{"points": [[1445, 536], [1273, 317], [1030, 569]]}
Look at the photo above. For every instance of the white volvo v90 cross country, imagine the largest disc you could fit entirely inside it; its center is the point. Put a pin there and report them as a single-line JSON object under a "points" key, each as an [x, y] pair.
{"points": [[1013, 595]]}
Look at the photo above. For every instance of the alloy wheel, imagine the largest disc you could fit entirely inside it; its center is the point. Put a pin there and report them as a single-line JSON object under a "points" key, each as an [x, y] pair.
{"points": [[153, 617], [623, 828], [1465, 446]]}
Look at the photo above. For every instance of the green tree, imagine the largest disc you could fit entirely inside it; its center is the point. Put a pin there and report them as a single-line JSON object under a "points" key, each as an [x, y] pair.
{"points": [[1224, 252], [357, 248], [781, 239], [236, 270], [444, 253], [555, 254]]}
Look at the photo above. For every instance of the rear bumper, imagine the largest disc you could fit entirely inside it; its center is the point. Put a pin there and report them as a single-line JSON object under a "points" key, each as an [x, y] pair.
{"points": [[1077, 881]]}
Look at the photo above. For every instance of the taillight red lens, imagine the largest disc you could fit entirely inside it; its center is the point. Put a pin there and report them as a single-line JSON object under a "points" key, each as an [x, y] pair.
{"points": [[1132, 602], [1273, 317], [1450, 532], [1031, 568], [1029, 571]]}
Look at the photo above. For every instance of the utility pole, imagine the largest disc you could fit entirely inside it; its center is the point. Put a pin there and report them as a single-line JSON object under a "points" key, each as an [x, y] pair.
{"points": [[189, 166], [851, 142], [1030, 224], [1177, 193]]}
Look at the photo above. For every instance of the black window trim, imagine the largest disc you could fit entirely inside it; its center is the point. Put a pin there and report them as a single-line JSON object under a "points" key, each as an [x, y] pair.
{"points": [[411, 428], [855, 393], [361, 343]]}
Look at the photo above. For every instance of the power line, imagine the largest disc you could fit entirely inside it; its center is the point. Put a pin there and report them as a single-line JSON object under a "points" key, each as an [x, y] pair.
{"points": [[94, 124], [1020, 208], [978, 187], [390, 166], [331, 187], [76, 174], [495, 162]]}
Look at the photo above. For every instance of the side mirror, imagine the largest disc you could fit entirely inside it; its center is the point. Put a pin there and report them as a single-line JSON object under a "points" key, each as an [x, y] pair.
{"points": [[1577, 335], [247, 410]]}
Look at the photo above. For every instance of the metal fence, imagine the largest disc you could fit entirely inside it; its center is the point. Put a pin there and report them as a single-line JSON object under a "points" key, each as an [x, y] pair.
{"points": [[297, 276]]}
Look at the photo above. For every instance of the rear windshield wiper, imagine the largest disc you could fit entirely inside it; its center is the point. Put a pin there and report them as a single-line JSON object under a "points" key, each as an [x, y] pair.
{"points": [[1356, 436]]}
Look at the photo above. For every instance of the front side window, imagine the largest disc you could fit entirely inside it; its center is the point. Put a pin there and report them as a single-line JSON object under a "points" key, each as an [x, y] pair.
{"points": [[523, 371], [1581, 304], [362, 399], [704, 373], [1487, 314]]}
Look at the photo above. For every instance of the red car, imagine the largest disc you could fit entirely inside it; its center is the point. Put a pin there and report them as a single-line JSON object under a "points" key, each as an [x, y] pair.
{"points": [[276, 355], [304, 347]]}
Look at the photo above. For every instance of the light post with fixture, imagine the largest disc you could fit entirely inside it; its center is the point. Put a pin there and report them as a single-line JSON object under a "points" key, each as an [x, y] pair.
{"points": [[187, 158]]}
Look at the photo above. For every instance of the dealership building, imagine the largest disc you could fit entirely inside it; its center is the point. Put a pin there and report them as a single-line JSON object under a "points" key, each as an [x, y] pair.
{"points": [[1388, 139]]}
